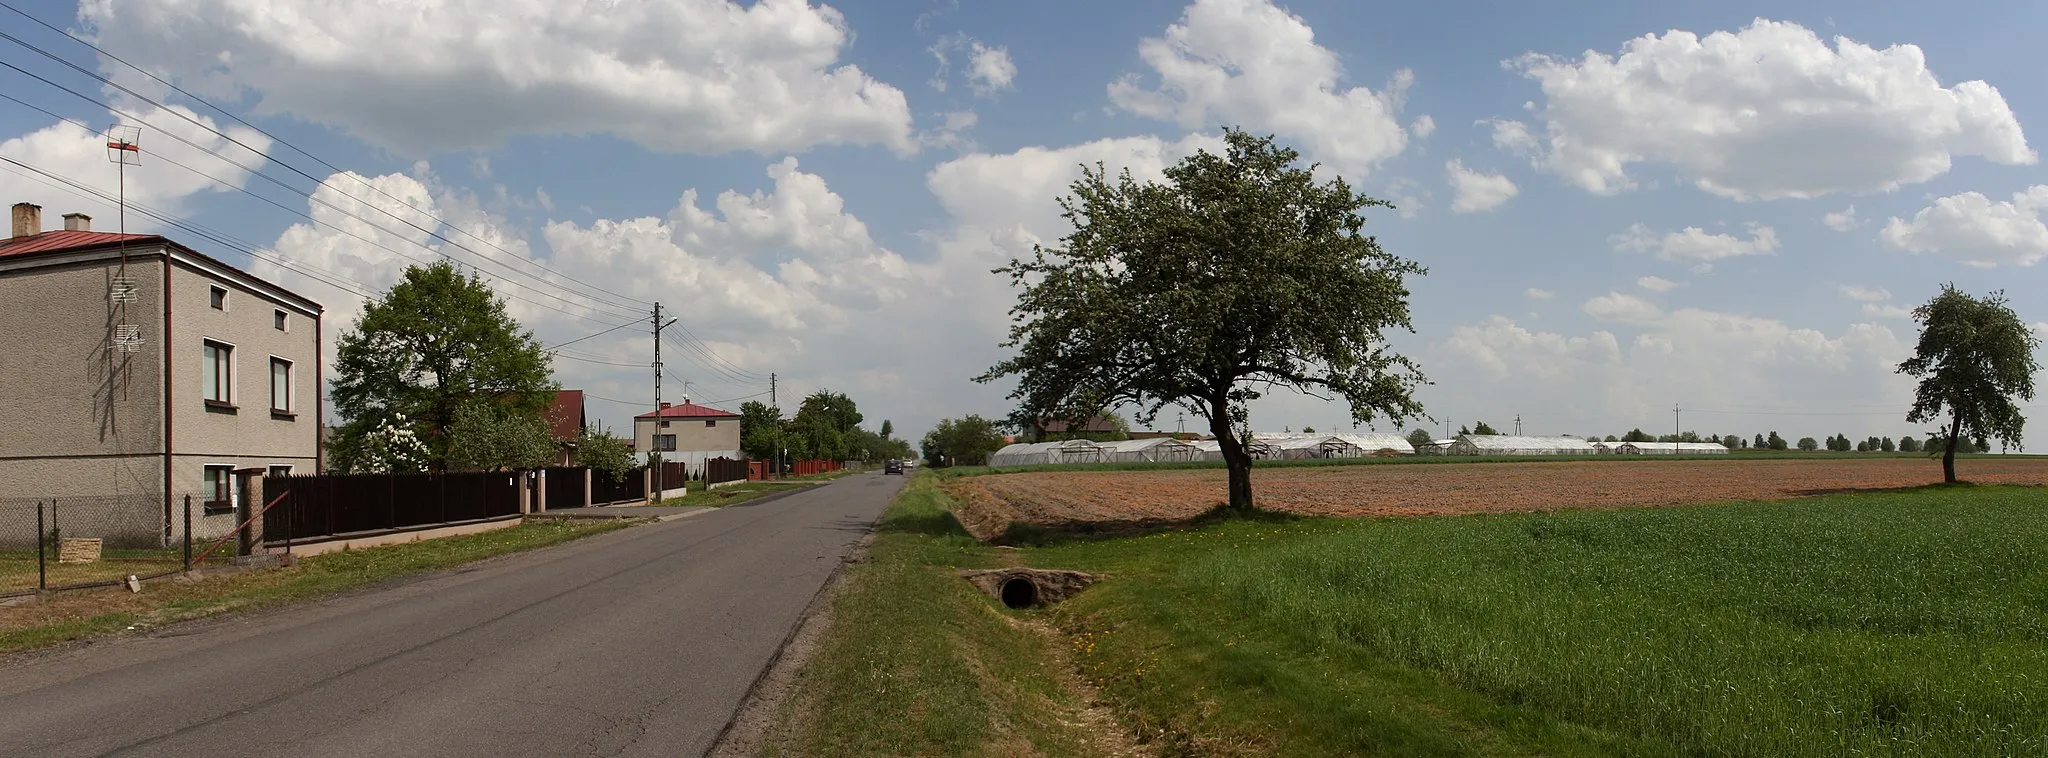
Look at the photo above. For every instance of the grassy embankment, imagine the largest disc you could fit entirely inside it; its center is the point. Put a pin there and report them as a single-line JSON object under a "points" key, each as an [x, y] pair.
{"points": [[69, 616], [1910, 623]]}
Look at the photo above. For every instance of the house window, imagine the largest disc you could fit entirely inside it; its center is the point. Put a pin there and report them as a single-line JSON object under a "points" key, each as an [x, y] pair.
{"points": [[280, 471], [280, 386], [664, 424], [710, 422], [218, 298], [665, 443], [218, 378], [219, 489], [277, 320]]}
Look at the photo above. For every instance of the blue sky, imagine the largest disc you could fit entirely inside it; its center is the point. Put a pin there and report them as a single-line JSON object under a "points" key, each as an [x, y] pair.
{"points": [[1606, 236]]}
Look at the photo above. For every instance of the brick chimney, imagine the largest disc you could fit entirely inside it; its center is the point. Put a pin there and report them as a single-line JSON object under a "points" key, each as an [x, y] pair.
{"points": [[28, 220], [77, 222], [664, 405]]}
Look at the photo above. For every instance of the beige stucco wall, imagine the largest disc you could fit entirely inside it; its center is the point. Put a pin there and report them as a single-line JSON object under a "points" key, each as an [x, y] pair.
{"points": [[76, 417], [691, 434], [250, 435]]}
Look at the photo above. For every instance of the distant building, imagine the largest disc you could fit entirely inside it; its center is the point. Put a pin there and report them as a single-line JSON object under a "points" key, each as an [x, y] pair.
{"points": [[687, 432]]}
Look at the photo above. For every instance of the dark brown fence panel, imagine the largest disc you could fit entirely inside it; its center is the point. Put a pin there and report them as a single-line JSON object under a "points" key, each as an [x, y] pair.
{"points": [[323, 505], [631, 486], [719, 470], [565, 487]]}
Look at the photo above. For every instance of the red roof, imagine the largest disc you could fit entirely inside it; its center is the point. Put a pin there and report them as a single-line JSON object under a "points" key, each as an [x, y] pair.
{"points": [[67, 240], [565, 417], [688, 410]]}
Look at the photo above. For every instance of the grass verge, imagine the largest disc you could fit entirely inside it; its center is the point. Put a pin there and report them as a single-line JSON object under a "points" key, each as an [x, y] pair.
{"points": [[70, 616], [918, 663], [1913, 623]]}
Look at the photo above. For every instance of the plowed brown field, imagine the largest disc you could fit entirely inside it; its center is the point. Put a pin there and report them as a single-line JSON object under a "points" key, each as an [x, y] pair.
{"points": [[1108, 500]]}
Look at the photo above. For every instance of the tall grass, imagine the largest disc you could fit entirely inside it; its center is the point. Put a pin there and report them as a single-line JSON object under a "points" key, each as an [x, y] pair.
{"points": [[1899, 624]]}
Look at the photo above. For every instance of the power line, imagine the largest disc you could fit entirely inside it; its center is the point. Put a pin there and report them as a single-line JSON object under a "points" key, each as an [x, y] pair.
{"points": [[598, 334], [693, 352], [706, 348], [316, 180], [296, 212]]}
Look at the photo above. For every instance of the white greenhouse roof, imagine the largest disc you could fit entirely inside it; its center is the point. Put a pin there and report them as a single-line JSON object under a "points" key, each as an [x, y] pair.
{"points": [[1513, 442], [1374, 442]]}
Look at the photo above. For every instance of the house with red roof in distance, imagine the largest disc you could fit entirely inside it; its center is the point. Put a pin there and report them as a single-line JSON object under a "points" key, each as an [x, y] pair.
{"points": [[688, 432], [566, 419], [137, 370]]}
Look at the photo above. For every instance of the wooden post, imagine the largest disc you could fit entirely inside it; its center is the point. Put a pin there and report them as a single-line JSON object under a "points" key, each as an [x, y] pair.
{"points": [[524, 480], [540, 490], [588, 494]]}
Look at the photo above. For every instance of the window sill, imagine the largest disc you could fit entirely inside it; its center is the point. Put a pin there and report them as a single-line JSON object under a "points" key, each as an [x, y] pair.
{"points": [[215, 508], [283, 415], [220, 406]]}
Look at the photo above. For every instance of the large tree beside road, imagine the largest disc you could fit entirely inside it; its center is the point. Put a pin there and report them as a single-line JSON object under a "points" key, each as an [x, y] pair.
{"points": [[432, 343], [1975, 355], [1238, 274]]}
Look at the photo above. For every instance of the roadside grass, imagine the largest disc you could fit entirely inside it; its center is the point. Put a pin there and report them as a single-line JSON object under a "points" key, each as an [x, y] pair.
{"points": [[1414, 460], [18, 567], [1909, 623], [917, 663], [62, 617]]}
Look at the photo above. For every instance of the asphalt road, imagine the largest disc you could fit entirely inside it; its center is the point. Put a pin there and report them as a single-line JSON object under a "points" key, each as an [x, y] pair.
{"points": [[639, 642]]}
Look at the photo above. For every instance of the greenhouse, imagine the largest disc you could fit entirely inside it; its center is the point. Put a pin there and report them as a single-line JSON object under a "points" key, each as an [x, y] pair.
{"points": [[1150, 451], [1379, 444], [1297, 447], [1036, 453], [1211, 450], [1508, 444], [1667, 448]]}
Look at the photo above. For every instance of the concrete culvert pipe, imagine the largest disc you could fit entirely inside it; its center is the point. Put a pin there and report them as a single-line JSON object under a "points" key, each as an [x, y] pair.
{"points": [[1019, 592], [1027, 587]]}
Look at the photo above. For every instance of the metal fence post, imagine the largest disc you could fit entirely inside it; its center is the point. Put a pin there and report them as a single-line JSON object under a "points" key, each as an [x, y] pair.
{"points": [[42, 573], [188, 532]]}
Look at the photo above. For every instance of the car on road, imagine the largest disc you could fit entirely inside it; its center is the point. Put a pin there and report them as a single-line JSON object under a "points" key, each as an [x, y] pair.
{"points": [[892, 467]]}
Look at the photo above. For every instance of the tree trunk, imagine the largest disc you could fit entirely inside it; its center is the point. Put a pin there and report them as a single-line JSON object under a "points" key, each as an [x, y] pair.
{"points": [[1948, 458], [1235, 457]]}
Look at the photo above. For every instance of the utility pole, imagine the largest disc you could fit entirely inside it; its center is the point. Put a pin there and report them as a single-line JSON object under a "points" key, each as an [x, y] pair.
{"points": [[1674, 429], [654, 436], [1518, 425]]}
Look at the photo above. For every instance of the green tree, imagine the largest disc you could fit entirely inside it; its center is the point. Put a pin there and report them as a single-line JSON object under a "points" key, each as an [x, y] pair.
{"points": [[1776, 442], [1809, 443], [1637, 435], [1462, 430], [602, 453], [823, 426], [1975, 356], [1732, 441], [1759, 444], [491, 435], [1482, 428], [967, 441], [1862, 447], [1908, 444], [433, 342], [1886, 445], [1611, 438], [761, 430], [1419, 438], [887, 429], [1308, 430], [1238, 274]]}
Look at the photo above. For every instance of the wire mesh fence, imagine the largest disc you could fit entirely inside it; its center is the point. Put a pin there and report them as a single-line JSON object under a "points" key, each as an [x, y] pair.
{"points": [[57, 543]]}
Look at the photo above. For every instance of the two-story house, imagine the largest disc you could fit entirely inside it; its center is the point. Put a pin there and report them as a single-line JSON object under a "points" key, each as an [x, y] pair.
{"points": [[689, 433], [134, 367]]}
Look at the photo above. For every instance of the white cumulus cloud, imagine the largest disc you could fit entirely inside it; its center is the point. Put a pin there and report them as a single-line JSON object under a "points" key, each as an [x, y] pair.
{"points": [[1423, 126], [989, 69], [1656, 284], [1693, 244], [80, 156], [1476, 191], [1862, 294], [1616, 306], [704, 76], [1534, 293], [1248, 63], [1843, 220], [1976, 230], [1769, 111]]}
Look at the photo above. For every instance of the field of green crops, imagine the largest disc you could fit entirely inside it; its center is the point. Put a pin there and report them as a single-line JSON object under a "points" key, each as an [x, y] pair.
{"points": [[1913, 623]]}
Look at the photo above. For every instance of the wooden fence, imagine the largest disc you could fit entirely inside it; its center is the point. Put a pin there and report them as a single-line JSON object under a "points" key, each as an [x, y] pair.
{"points": [[631, 486], [718, 470], [324, 505]]}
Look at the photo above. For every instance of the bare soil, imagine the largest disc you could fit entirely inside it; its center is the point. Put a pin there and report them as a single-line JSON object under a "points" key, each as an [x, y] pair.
{"points": [[1110, 500]]}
